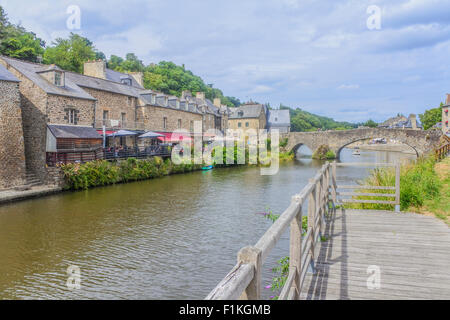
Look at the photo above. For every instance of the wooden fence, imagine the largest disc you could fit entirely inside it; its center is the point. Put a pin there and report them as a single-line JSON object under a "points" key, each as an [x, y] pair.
{"points": [[442, 151], [387, 195], [318, 198]]}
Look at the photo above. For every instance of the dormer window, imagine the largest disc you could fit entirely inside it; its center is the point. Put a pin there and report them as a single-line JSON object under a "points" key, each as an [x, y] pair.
{"points": [[58, 79], [126, 80]]}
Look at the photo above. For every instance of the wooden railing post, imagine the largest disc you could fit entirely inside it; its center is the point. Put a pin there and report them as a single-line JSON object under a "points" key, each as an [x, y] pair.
{"points": [[397, 187], [252, 255], [311, 220], [295, 256], [333, 184]]}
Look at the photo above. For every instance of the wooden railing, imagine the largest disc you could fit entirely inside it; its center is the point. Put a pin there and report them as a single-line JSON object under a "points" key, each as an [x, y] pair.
{"points": [[442, 151], [395, 188], [244, 280], [318, 198]]}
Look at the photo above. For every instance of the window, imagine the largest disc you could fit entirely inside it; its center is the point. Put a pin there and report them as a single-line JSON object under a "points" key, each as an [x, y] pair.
{"points": [[58, 81], [71, 116], [130, 101], [246, 124], [179, 123], [105, 117], [123, 119], [165, 122], [192, 125], [239, 124]]}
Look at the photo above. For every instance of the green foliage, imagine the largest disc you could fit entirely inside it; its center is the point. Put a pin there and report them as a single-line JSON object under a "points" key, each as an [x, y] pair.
{"points": [[101, 173], [370, 123], [70, 54], [304, 121], [430, 117], [284, 142], [281, 271], [16, 42], [324, 152], [169, 78]]}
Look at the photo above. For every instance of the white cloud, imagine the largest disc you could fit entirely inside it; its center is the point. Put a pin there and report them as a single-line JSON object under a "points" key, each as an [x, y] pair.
{"points": [[348, 86]]}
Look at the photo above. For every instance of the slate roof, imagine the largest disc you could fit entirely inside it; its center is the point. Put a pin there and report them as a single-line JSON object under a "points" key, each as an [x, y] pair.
{"points": [[102, 84], [74, 82], [248, 111], [279, 118], [31, 71], [115, 76], [5, 75], [73, 132]]}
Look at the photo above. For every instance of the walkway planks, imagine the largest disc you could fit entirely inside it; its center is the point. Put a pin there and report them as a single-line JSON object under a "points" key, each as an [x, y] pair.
{"points": [[412, 252]]}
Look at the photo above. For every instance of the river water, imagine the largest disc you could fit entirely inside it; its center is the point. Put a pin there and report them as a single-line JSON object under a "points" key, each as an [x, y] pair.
{"points": [[169, 238]]}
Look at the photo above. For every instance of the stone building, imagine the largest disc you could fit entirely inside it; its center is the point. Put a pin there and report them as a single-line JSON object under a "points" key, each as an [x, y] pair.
{"points": [[165, 114], [48, 96], [117, 95], [214, 113], [445, 116], [401, 122], [12, 149], [280, 120], [248, 116]]}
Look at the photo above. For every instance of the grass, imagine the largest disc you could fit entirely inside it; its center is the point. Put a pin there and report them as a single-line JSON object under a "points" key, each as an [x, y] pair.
{"points": [[439, 205]]}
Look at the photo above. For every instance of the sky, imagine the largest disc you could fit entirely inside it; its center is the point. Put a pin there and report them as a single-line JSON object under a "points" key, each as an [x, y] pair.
{"points": [[328, 57]]}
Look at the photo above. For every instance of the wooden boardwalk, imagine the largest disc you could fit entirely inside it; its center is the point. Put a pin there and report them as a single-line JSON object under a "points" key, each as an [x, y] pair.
{"points": [[412, 252]]}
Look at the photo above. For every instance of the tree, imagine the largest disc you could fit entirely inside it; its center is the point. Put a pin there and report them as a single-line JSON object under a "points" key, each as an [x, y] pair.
{"points": [[430, 117], [70, 54], [370, 123], [16, 42]]}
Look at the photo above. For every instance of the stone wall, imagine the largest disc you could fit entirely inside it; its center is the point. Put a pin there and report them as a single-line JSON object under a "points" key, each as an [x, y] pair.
{"points": [[153, 118], [34, 121], [55, 176], [58, 110], [12, 149], [115, 104]]}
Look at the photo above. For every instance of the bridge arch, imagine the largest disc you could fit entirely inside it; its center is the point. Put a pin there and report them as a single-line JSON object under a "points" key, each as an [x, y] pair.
{"points": [[301, 144], [338, 152]]}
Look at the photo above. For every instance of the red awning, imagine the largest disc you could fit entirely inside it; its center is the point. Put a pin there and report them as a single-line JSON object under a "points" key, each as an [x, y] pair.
{"points": [[107, 132], [174, 137]]}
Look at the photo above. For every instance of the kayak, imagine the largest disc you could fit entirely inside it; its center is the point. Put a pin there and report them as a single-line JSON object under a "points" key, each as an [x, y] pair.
{"points": [[207, 168]]}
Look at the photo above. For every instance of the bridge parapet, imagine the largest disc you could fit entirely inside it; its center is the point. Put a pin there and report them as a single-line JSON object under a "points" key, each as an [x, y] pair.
{"points": [[421, 141]]}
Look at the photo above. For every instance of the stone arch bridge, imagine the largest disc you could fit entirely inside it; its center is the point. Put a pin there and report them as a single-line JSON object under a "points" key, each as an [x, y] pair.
{"points": [[421, 141]]}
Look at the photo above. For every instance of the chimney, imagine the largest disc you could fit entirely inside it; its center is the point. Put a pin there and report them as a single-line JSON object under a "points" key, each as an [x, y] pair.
{"points": [[217, 102], [139, 77], [413, 119], [185, 94], [200, 95], [95, 68], [448, 99]]}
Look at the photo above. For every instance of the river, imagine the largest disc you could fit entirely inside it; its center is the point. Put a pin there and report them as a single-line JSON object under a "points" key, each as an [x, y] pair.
{"points": [[169, 238]]}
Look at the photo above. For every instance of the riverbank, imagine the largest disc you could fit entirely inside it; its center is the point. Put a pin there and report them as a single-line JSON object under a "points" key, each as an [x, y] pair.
{"points": [[389, 147], [8, 196]]}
